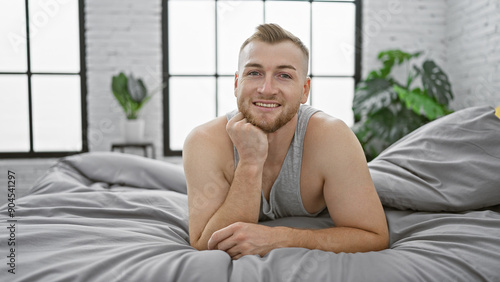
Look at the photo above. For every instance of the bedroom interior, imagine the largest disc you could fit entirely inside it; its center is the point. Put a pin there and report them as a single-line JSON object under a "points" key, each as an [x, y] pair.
{"points": [[461, 36], [444, 226]]}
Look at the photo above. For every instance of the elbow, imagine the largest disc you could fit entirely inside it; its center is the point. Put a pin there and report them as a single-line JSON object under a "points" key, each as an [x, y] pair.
{"points": [[382, 241], [376, 241], [198, 245], [383, 244]]}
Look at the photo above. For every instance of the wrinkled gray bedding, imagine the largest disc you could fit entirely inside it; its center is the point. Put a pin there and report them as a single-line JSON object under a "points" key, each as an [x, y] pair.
{"points": [[116, 217]]}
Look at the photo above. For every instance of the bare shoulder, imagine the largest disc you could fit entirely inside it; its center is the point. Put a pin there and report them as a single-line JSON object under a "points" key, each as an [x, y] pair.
{"points": [[208, 146], [329, 131], [211, 131], [209, 138], [329, 141]]}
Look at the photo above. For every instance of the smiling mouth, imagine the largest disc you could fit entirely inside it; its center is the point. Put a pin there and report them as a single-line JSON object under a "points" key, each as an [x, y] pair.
{"points": [[267, 105]]}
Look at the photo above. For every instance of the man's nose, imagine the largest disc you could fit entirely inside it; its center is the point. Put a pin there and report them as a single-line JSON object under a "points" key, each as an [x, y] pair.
{"points": [[268, 86]]}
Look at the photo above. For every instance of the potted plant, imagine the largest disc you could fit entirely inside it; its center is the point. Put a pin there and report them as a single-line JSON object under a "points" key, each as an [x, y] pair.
{"points": [[386, 109], [131, 94]]}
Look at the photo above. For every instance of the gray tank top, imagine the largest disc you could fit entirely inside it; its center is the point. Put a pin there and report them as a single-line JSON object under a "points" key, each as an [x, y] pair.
{"points": [[285, 199]]}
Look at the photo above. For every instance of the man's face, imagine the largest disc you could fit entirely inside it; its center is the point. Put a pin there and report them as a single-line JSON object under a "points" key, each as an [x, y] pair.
{"points": [[271, 83]]}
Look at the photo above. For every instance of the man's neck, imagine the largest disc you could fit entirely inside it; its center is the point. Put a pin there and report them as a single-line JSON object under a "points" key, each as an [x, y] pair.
{"points": [[279, 142]]}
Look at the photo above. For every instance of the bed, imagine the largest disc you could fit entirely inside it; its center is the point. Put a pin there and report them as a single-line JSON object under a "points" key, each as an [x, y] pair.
{"points": [[106, 216]]}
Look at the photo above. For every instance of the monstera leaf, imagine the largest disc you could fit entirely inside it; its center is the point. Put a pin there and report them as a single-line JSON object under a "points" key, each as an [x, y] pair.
{"points": [[373, 95], [386, 110], [388, 59], [436, 82], [421, 103]]}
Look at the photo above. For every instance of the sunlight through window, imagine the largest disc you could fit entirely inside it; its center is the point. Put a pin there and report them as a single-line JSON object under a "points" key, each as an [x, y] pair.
{"points": [[203, 42]]}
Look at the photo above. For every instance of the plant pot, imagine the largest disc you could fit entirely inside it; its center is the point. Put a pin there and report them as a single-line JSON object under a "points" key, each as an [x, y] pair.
{"points": [[134, 130]]}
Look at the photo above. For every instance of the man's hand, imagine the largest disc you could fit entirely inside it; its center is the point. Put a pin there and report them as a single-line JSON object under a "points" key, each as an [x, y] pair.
{"points": [[240, 239], [250, 141]]}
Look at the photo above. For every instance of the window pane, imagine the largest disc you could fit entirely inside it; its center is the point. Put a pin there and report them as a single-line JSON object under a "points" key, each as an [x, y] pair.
{"points": [[237, 21], [292, 16], [54, 36], [331, 45], [57, 117], [191, 37], [333, 38], [13, 39], [14, 116], [192, 102], [225, 98], [334, 97]]}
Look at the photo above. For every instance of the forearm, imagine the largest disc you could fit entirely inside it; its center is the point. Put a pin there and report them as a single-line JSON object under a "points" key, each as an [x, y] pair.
{"points": [[335, 239], [242, 203]]}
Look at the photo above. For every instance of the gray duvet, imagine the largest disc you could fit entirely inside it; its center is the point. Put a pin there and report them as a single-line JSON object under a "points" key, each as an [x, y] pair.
{"points": [[116, 217]]}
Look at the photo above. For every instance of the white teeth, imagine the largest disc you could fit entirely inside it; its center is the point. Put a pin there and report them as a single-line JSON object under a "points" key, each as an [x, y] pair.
{"points": [[266, 105]]}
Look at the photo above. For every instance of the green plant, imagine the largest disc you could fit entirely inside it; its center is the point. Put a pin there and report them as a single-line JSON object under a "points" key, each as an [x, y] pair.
{"points": [[386, 110], [131, 93]]}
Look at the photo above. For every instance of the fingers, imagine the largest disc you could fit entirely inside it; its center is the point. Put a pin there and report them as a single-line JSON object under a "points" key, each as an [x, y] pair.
{"points": [[238, 126], [218, 237], [234, 240], [238, 251], [237, 257], [237, 118], [240, 120], [250, 141], [235, 252]]}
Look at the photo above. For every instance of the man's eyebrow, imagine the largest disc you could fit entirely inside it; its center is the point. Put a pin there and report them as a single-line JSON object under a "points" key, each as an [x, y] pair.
{"points": [[253, 65], [287, 67], [256, 65]]}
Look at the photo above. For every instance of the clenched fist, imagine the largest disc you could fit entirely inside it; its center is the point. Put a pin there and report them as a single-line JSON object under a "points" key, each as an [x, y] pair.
{"points": [[250, 141]]}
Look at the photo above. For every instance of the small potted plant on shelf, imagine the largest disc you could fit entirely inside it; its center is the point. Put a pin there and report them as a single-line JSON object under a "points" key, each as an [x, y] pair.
{"points": [[131, 93], [386, 109]]}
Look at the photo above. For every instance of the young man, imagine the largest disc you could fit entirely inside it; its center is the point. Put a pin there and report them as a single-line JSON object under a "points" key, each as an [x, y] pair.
{"points": [[274, 157]]}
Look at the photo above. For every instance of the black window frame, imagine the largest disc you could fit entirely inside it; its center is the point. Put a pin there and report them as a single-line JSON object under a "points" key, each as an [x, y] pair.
{"points": [[167, 151], [83, 101]]}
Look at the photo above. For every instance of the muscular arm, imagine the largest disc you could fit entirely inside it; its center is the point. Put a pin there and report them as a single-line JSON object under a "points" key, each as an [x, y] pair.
{"points": [[213, 202], [348, 193]]}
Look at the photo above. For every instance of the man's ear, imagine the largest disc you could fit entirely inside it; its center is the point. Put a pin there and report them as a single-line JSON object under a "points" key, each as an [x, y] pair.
{"points": [[307, 88], [235, 82]]}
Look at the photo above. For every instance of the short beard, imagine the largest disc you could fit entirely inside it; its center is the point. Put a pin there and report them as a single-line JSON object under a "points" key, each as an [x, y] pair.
{"points": [[270, 127]]}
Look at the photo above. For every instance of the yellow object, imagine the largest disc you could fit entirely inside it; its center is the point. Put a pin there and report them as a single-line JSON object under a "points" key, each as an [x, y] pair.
{"points": [[497, 111]]}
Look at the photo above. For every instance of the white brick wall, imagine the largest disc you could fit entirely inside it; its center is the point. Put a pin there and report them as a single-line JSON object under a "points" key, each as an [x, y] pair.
{"points": [[122, 36], [462, 36], [473, 53], [407, 25]]}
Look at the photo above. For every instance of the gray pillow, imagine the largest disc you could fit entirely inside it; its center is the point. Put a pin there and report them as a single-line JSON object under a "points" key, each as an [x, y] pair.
{"points": [[450, 164], [128, 170]]}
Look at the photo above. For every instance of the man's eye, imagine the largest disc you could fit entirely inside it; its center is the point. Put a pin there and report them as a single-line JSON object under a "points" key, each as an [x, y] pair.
{"points": [[253, 73], [284, 75]]}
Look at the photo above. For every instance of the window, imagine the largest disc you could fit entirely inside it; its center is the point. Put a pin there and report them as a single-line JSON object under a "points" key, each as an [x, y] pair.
{"points": [[201, 42], [42, 79]]}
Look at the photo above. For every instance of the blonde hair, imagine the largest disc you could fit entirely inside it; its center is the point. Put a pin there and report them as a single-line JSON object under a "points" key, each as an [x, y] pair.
{"points": [[273, 33]]}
